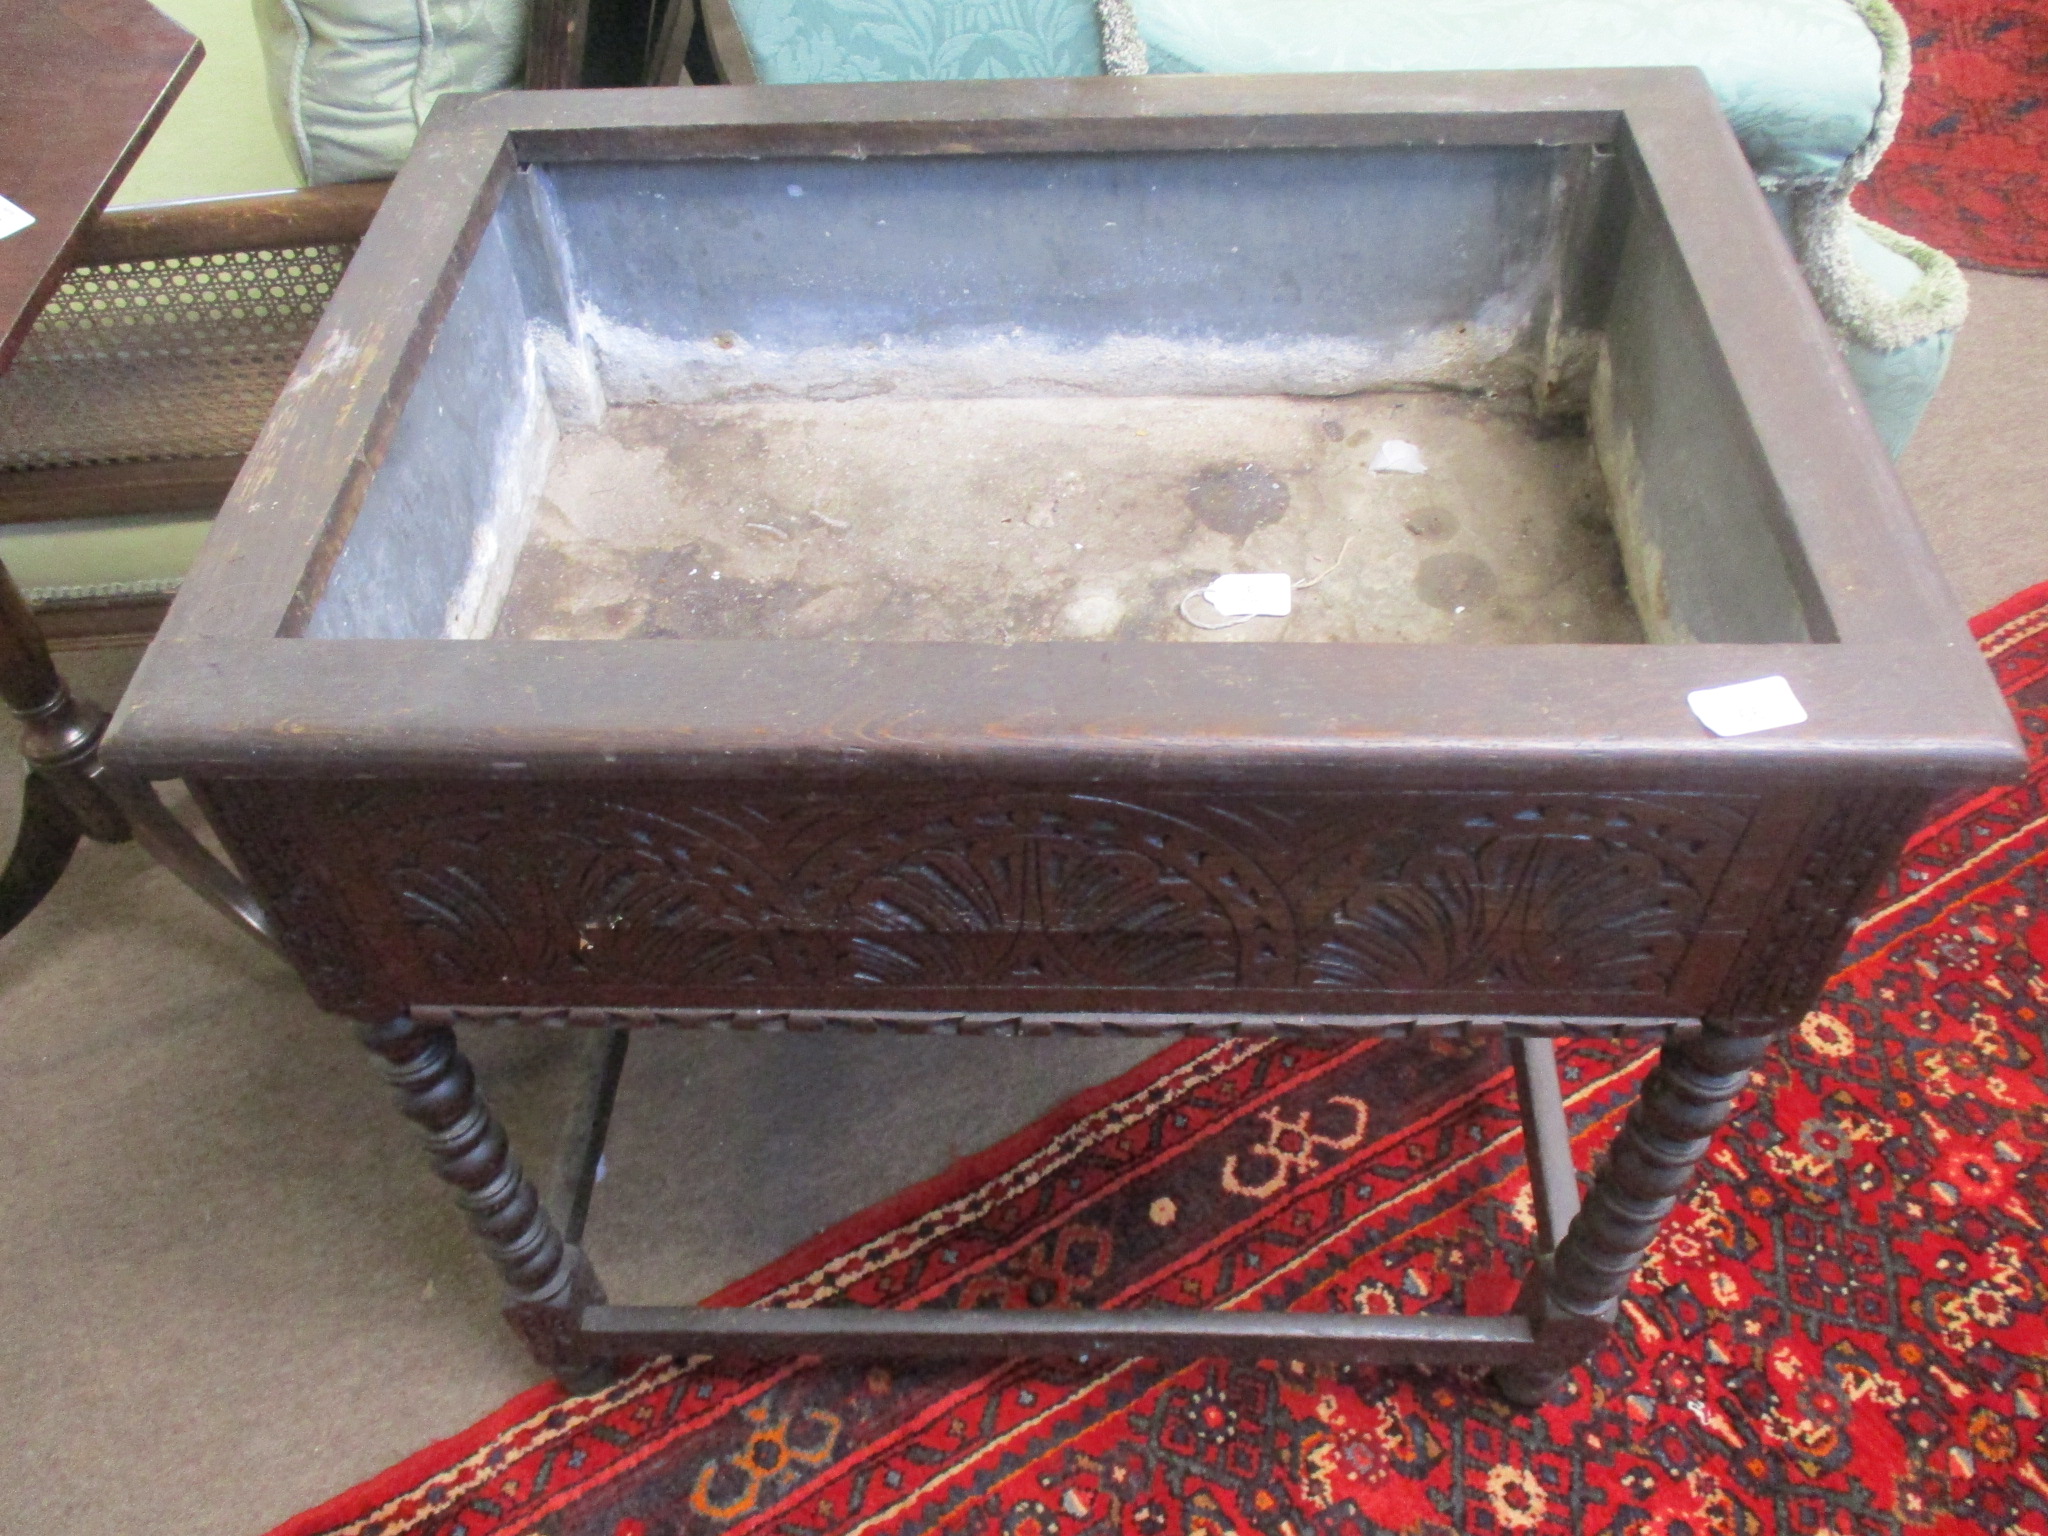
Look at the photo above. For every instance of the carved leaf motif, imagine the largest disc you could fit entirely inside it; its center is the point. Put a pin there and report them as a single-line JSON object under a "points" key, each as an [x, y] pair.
{"points": [[606, 890], [1542, 910], [1058, 890], [464, 923]]}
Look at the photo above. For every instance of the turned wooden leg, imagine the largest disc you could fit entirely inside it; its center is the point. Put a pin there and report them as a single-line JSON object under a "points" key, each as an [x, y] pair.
{"points": [[60, 732], [550, 1281], [42, 848], [1573, 1298], [60, 738]]}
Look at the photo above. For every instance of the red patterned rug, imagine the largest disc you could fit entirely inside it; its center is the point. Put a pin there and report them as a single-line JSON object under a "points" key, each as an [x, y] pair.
{"points": [[1841, 1331], [1969, 169]]}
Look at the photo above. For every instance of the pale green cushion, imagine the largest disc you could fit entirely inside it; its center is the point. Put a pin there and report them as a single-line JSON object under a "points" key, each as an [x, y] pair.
{"points": [[1897, 275], [352, 80], [1898, 385], [101, 556], [1797, 78]]}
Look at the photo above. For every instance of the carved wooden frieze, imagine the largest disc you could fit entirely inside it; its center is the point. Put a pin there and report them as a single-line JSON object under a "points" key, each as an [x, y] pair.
{"points": [[1853, 839], [648, 892]]}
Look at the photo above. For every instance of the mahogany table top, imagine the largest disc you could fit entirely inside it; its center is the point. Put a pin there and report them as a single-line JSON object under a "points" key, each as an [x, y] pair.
{"points": [[86, 83]]}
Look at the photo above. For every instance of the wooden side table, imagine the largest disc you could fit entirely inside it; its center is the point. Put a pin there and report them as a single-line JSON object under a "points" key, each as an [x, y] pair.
{"points": [[87, 83]]}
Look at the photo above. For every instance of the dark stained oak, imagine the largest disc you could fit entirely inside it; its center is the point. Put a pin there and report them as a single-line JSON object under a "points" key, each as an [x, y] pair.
{"points": [[905, 898], [1083, 1335], [148, 488], [555, 37]]}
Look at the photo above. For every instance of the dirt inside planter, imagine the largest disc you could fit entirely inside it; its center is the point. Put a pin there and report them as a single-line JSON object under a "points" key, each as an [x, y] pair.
{"points": [[1071, 517]]}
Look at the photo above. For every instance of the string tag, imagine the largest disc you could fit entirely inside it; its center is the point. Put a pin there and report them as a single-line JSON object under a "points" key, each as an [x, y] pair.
{"points": [[1247, 595], [1396, 457]]}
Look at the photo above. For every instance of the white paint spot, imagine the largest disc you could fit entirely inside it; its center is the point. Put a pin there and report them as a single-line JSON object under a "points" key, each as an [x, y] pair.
{"points": [[1094, 611]]}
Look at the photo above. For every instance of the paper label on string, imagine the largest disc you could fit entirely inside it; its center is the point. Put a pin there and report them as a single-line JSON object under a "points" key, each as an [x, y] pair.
{"points": [[1396, 457], [1740, 708], [1262, 594], [13, 218]]}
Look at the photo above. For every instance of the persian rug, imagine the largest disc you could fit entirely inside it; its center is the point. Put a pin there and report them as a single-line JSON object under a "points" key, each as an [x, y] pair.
{"points": [[1841, 1330], [1968, 171]]}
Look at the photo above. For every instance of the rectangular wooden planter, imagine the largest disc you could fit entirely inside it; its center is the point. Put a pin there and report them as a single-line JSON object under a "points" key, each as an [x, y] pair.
{"points": [[1053, 834]]}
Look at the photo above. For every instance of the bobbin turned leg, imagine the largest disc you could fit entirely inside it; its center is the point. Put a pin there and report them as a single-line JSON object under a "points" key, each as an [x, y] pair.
{"points": [[550, 1281], [1572, 1298]]}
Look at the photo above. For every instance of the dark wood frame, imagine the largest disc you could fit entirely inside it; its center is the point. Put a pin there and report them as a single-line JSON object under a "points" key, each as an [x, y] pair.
{"points": [[725, 45], [303, 749]]}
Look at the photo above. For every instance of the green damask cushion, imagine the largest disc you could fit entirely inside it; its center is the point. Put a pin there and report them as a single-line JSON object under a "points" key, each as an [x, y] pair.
{"points": [[352, 80], [1798, 78], [797, 42]]}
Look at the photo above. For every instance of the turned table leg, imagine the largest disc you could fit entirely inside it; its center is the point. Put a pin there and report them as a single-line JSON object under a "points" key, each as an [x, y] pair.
{"points": [[1573, 1297], [42, 849], [60, 737], [549, 1280], [60, 803]]}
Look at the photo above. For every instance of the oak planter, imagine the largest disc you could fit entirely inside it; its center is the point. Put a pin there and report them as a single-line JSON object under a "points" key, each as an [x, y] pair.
{"points": [[762, 787]]}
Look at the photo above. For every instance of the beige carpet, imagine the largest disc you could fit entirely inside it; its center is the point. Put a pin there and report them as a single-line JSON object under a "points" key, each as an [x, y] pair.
{"points": [[231, 1288]]}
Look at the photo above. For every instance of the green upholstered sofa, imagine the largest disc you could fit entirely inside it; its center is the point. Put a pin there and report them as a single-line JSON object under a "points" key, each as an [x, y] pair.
{"points": [[1812, 87]]}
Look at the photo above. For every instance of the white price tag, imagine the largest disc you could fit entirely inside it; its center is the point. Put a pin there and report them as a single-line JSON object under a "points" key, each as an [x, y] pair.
{"points": [[1740, 708], [1263, 594], [13, 218]]}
